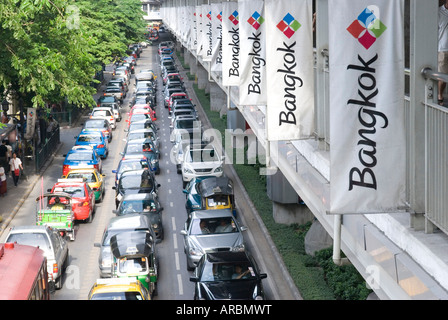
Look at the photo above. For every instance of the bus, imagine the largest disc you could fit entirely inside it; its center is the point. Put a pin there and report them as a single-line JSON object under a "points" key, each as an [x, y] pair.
{"points": [[23, 273]]}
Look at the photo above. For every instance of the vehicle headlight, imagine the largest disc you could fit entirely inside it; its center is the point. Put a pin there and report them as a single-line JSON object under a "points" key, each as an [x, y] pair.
{"points": [[219, 169], [155, 226], [193, 251], [186, 170], [196, 206], [119, 196], [154, 161], [106, 263], [239, 248]]}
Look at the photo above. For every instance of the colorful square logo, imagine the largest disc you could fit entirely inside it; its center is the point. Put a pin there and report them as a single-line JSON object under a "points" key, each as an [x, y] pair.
{"points": [[234, 17], [256, 20], [219, 16], [209, 15], [288, 25], [367, 28]]}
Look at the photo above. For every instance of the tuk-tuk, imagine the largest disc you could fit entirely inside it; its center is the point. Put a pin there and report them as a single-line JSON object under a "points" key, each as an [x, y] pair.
{"points": [[55, 210], [211, 193], [134, 256]]}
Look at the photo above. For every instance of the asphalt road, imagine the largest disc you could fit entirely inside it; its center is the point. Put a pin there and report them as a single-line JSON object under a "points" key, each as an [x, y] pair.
{"points": [[173, 281]]}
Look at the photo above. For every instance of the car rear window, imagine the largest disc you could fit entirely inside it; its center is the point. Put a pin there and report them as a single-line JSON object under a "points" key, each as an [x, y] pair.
{"points": [[80, 156], [32, 239]]}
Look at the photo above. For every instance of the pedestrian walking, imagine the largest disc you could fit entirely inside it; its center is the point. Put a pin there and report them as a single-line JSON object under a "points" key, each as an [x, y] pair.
{"points": [[3, 154], [3, 183], [16, 166]]}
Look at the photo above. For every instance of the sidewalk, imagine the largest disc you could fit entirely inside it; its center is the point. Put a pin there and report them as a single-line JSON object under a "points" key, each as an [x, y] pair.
{"points": [[16, 196]]}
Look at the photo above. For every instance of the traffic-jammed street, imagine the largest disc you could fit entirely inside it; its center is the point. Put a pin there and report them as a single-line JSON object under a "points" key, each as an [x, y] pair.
{"points": [[173, 280]]}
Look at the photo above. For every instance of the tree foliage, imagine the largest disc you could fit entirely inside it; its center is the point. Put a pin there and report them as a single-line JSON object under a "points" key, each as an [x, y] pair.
{"points": [[51, 49]]}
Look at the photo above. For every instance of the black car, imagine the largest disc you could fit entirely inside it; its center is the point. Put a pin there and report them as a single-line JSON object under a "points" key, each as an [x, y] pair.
{"points": [[228, 275], [135, 181], [143, 203]]}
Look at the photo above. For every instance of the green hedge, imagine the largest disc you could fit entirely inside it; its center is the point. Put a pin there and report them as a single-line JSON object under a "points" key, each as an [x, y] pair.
{"points": [[317, 278]]}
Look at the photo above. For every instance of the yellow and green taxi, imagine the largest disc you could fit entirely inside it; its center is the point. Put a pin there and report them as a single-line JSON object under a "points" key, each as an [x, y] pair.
{"points": [[118, 289], [93, 177]]}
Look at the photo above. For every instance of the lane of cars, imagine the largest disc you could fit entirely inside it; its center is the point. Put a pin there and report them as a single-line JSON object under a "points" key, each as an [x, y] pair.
{"points": [[128, 263]]}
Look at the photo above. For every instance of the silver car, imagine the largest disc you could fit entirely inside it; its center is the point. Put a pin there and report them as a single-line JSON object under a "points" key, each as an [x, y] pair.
{"points": [[209, 231], [50, 241]]}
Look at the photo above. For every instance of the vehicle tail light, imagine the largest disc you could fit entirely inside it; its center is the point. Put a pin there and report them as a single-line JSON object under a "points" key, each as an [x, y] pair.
{"points": [[112, 118], [100, 146], [96, 166], [55, 268], [104, 93]]}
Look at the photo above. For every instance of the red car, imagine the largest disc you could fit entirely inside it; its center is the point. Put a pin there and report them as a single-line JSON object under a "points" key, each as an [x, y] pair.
{"points": [[174, 96], [83, 197], [140, 116], [143, 108]]}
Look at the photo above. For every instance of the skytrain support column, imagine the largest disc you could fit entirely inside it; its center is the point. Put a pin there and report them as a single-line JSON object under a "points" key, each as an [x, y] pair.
{"points": [[218, 98], [287, 207]]}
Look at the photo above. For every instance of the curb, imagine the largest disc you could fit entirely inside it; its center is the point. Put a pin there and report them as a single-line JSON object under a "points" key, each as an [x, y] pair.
{"points": [[33, 182]]}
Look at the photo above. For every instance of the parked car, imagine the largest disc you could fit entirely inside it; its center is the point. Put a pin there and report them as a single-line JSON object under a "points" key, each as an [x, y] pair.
{"points": [[130, 222], [184, 123], [208, 231], [50, 241], [201, 160], [181, 141], [145, 134], [168, 92], [228, 276]]}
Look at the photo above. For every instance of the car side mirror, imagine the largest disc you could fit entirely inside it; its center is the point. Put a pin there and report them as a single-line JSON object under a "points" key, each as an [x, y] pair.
{"points": [[158, 185], [97, 245], [114, 188], [194, 279], [185, 191], [48, 190], [115, 211], [114, 171], [263, 275], [183, 232]]}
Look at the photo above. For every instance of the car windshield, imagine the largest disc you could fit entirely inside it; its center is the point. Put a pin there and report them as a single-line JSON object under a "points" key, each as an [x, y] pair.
{"points": [[140, 116], [129, 206], [101, 113], [203, 155], [139, 148], [140, 125], [212, 226], [187, 124], [87, 176], [227, 271], [80, 156], [136, 164], [95, 124], [32, 239], [91, 138], [128, 295], [75, 192], [141, 135]]}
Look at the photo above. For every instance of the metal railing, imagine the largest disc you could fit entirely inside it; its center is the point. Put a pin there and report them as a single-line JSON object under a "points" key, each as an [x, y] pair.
{"points": [[436, 154], [46, 149]]}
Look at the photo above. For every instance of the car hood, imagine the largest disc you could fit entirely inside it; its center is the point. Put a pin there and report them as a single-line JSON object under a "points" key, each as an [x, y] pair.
{"points": [[229, 290], [213, 241]]}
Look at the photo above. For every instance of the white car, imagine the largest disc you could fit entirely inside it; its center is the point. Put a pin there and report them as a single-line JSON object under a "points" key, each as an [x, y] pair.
{"points": [[104, 113], [201, 160], [49, 240]]}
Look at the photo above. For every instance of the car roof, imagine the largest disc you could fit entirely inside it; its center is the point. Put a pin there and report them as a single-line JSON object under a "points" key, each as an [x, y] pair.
{"points": [[139, 196], [134, 243], [29, 228], [129, 221]]}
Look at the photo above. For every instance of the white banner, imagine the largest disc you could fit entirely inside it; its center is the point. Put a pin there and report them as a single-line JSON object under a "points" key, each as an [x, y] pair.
{"points": [[217, 37], [230, 44], [367, 125], [199, 30], [289, 65], [207, 35], [193, 32], [253, 54], [31, 116]]}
